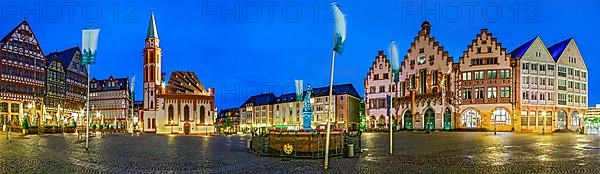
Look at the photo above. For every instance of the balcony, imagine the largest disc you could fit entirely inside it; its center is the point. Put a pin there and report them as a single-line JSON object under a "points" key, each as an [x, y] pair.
{"points": [[542, 72], [533, 72]]}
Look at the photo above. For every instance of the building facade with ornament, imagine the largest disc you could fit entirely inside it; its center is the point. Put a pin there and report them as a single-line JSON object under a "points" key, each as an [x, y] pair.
{"points": [[22, 78], [181, 106], [378, 86], [486, 77], [426, 94]]}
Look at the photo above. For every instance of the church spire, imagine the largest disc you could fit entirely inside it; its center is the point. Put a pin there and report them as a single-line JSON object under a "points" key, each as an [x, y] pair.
{"points": [[152, 33]]}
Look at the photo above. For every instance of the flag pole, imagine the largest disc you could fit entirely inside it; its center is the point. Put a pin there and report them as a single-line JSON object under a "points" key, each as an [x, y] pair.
{"points": [[87, 107], [329, 111]]}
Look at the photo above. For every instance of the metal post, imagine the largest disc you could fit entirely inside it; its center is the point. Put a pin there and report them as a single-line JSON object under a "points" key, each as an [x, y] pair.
{"points": [[391, 109], [132, 111], [329, 111], [87, 107]]}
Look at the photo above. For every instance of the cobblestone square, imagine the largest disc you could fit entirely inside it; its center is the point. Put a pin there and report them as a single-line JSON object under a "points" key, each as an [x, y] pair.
{"points": [[414, 152]]}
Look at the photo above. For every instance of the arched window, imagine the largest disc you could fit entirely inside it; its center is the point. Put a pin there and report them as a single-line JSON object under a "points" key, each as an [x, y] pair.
{"points": [[202, 116], [186, 113], [500, 117], [471, 118], [171, 117], [575, 118]]}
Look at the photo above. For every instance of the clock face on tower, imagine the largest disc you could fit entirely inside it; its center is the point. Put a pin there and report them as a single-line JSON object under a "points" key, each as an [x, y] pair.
{"points": [[421, 59]]}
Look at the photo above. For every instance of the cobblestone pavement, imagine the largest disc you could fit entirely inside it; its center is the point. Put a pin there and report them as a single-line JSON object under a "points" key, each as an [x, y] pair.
{"points": [[414, 152]]}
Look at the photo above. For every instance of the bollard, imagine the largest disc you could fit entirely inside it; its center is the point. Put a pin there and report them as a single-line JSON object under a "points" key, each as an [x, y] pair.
{"points": [[350, 150], [248, 144]]}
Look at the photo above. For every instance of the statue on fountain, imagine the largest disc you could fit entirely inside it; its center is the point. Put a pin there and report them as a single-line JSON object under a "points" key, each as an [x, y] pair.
{"points": [[307, 111]]}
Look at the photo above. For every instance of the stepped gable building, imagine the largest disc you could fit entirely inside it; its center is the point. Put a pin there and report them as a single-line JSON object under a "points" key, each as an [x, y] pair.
{"points": [[378, 86], [486, 81], [425, 89], [183, 106], [537, 96], [572, 82], [23, 76]]}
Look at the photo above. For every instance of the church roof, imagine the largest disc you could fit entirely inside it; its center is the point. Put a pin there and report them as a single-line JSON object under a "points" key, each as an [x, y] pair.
{"points": [[185, 82], [152, 33], [557, 49]]}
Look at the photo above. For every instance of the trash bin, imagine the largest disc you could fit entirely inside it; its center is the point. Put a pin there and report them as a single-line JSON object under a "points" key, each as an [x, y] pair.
{"points": [[350, 150], [248, 144]]}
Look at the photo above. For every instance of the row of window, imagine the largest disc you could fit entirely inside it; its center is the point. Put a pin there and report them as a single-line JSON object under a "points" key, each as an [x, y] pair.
{"points": [[562, 98], [480, 93], [564, 84], [20, 72], [537, 67], [24, 89], [489, 74], [27, 60], [534, 95], [385, 76]]}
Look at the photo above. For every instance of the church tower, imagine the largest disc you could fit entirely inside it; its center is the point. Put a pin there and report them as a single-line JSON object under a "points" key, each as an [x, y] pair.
{"points": [[152, 66]]}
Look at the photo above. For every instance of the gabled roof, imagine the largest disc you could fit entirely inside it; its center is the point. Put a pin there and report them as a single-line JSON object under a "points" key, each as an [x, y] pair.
{"points": [[105, 85], [152, 33], [54, 57], [262, 99], [521, 50], [337, 90], [10, 34], [557, 49], [66, 55], [6, 37]]}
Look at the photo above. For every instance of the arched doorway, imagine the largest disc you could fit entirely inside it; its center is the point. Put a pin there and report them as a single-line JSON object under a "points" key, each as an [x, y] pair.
{"points": [[471, 118], [575, 119], [447, 119], [429, 119], [562, 120], [407, 120]]}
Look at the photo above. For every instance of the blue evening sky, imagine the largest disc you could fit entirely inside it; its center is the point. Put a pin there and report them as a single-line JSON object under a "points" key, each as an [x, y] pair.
{"points": [[275, 42]]}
